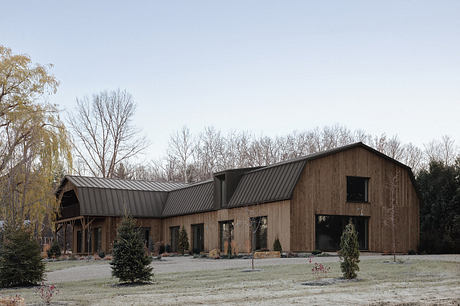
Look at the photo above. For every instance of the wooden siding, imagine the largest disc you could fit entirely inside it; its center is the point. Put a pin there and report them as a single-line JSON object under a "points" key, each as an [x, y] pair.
{"points": [[322, 189], [278, 225], [109, 227]]}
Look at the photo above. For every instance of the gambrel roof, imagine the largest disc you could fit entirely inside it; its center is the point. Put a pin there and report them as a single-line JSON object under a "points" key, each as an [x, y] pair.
{"points": [[114, 197]]}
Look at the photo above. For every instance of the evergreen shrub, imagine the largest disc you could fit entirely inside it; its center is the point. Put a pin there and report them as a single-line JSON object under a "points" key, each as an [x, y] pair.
{"points": [[55, 250], [183, 241], [277, 245], [20, 259], [130, 262], [349, 252]]}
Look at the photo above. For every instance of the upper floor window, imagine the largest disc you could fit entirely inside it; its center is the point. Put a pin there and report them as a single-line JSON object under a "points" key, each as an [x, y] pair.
{"points": [[357, 189]]}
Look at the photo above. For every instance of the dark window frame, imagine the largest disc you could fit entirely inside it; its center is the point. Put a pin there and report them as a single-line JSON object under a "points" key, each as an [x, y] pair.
{"points": [[197, 229], [353, 199], [363, 233], [259, 233], [228, 237], [145, 233], [174, 243], [97, 232]]}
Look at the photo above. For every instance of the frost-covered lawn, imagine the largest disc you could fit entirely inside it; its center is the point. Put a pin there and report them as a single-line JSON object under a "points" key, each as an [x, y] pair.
{"points": [[415, 281], [52, 266]]}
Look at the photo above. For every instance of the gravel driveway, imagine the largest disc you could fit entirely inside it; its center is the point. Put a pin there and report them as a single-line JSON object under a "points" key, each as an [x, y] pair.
{"points": [[181, 264]]}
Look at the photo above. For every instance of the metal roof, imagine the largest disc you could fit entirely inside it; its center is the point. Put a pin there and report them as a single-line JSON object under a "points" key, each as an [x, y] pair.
{"points": [[98, 182], [114, 197], [118, 202], [189, 200], [268, 184]]}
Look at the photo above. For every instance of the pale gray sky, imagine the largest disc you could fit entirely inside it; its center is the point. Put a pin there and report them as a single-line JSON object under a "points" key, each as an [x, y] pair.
{"points": [[268, 67]]}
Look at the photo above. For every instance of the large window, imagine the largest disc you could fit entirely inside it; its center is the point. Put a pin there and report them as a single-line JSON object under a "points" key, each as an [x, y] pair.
{"points": [[259, 227], [197, 238], [145, 234], [174, 234], [329, 230], [225, 234], [357, 189], [98, 239]]}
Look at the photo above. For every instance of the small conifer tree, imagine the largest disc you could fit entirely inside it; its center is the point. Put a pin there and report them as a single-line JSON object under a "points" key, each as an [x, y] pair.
{"points": [[183, 245], [277, 245], [130, 262], [20, 260], [349, 252], [55, 250]]}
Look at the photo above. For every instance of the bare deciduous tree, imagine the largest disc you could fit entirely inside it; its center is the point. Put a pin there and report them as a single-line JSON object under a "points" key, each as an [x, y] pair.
{"points": [[442, 150], [213, 151], [181, 147], [104, 136]]}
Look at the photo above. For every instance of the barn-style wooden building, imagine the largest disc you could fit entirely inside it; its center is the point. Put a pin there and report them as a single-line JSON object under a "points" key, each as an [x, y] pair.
{"points": [[305, 202]]}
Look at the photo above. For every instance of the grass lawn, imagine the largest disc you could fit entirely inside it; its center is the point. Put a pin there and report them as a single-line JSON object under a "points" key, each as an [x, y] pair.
{"points": [[65, 264], [412, 282]]}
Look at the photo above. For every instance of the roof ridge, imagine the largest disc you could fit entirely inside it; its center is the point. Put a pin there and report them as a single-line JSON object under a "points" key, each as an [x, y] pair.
{"points": [[194, 184], [306, 157], [125, 180]]}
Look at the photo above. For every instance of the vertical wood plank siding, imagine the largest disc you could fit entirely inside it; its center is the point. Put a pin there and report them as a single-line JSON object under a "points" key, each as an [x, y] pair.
{"points": [[278, 225], [322, 189]]}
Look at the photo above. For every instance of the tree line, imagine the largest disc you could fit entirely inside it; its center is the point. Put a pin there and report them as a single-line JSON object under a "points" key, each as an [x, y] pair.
{"points": [[98, 138]]}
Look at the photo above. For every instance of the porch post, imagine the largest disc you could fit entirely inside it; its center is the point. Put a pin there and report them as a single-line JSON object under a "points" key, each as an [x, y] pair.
{"points": [[65, 236]]}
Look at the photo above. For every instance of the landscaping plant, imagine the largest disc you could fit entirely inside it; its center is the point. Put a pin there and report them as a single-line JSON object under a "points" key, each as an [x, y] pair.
{"points": [[349, 252], [55, 250], [277, 245], [20, 260], [318, 269], [47, 292], [130, 262], [183, 241]]}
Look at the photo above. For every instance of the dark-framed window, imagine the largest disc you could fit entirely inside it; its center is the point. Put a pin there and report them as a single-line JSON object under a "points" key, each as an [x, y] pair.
{"points": [[97, 239], [259, 226], [357, 189], [225, 234], [174, 234], [145, 234], [329, 228], [197, 238]]}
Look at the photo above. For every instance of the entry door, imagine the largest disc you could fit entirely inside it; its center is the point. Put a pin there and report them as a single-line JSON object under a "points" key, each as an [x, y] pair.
{"points": [[198, 238]]}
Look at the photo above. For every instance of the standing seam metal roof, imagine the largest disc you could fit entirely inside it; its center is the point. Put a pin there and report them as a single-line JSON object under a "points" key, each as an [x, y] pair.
{"points": [[192, 199], [269, 184], [110, 183], [113, 197]]}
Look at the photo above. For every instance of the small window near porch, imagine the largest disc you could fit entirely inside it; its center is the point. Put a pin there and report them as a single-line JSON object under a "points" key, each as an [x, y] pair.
{"points": [[357, 189]]}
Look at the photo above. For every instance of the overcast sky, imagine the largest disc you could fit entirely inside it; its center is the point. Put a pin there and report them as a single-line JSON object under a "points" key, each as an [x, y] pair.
{"points": [[268, 67]]}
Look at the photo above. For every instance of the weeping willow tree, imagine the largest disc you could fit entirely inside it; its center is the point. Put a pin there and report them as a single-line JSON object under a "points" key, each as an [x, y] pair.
{"points": [[34, 146]]}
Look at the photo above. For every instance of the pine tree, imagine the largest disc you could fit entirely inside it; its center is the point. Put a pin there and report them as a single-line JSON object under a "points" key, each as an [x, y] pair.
{"points": [[277, 245], [20, 260], [349, 252], [183, 241], [130, 262]]}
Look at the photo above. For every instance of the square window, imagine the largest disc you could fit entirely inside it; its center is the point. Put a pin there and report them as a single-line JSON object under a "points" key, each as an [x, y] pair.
{"points": [[357, 189]]}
